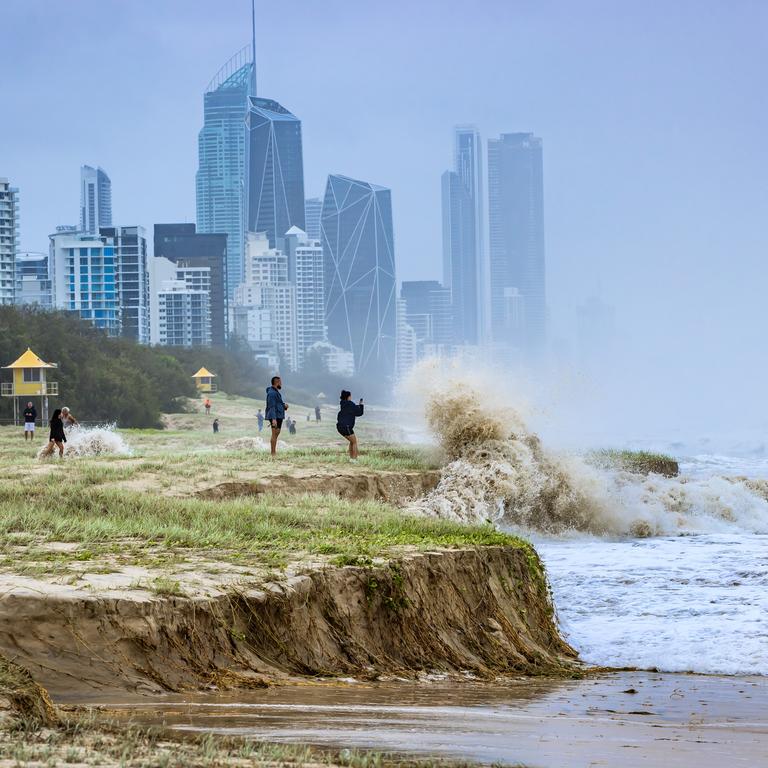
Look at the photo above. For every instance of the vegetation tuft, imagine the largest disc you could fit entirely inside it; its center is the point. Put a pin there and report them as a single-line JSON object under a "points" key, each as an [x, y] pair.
{"points": [[639, 462]]}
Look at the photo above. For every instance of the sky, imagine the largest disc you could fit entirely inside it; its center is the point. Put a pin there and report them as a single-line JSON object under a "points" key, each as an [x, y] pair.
{"points": [[653, 116]]}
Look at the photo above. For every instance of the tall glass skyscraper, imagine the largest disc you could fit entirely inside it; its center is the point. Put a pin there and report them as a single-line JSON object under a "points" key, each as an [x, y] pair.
{"points": [[95, 199], [516, 219], [9, 239], [359, 265], [221, 177], [275, 169], [463, 254], [313, 210]]}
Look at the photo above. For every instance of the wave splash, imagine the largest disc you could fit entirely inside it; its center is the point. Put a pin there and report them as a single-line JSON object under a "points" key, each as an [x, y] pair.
{"points": [[91, 441], [499, 471]]}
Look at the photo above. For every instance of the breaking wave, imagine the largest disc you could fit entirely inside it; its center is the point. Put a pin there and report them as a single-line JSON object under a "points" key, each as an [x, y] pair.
{"points": [[91, 441], [497, 470]]}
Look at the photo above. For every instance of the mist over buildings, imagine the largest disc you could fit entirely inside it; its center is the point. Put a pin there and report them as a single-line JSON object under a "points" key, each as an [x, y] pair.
{"points": [[651, 121]]}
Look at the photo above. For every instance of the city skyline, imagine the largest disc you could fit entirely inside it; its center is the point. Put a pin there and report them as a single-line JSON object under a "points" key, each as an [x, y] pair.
{"points": [[624, 134]]}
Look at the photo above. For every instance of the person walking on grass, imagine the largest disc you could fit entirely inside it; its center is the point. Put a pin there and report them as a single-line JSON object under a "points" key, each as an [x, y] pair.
{"points": [[215, 426], [57, 438], [275, 411], [317, 414], [30, 417], [260, 420], [207, 405], [345, 421]]}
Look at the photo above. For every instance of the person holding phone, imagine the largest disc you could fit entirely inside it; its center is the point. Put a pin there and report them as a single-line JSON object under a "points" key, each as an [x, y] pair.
{"points": [[345, 421]]}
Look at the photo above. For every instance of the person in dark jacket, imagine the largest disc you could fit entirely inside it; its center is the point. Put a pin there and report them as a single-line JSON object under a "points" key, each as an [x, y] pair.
{"points": [[345, 421], [30, 417], [215, 426], [57, 437], [275, 411]]}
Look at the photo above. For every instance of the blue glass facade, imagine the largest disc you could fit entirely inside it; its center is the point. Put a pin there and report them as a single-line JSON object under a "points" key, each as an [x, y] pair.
{"points": [[516, 225], [359, 266], [221, 178], [275, 170]]}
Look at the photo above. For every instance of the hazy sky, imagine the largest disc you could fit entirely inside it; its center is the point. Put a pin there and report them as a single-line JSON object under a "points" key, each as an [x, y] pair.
{"points": [[654, 119]]}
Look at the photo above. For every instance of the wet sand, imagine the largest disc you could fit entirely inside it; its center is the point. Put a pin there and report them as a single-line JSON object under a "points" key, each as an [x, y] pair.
{"points": [[622, 719]]}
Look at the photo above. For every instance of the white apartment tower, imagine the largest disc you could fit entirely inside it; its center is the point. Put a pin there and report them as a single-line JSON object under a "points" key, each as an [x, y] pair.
{"points": [[265, 303], [95, 199], [306, 272], [9, 240]]}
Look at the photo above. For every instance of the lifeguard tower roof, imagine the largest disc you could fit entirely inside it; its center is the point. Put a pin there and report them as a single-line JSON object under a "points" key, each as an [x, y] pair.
{"points": [[30, 360], [202, 373]]}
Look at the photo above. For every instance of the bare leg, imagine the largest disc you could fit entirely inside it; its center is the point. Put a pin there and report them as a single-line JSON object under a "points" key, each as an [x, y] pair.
{"points": [[353, 447], [273, 440]]}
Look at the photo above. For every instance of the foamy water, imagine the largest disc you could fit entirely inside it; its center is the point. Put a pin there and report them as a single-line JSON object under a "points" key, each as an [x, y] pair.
{"points": [[102, 440], [652, 572]]}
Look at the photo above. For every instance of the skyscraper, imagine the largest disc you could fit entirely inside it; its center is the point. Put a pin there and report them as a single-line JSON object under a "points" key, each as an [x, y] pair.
{"points": [[460, 263], [131, 279], [428, 310], [9, 240], [265, 303], [191, 250], [516, 221], [313, 210], [33, 282], [464, 270], [220, 177], [359, 257], [84, 278], [305, 271], [275, 169], [95, 199]]}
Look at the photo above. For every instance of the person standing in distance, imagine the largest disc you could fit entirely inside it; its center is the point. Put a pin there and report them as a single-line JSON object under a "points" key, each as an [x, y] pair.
{"points": [[30, 417], [275, 411], [345, 420]]}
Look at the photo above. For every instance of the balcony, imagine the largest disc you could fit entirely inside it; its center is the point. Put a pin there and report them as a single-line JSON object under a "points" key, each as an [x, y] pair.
{"points": [[48, 388]]}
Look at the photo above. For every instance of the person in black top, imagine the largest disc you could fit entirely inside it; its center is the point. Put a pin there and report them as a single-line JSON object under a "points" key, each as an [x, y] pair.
{"points": [[345, 421], [57, 436], [215, 426], [30, 417]]}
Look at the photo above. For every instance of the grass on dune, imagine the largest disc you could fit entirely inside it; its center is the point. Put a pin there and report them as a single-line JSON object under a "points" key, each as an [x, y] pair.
{"points": [[267, 529]]}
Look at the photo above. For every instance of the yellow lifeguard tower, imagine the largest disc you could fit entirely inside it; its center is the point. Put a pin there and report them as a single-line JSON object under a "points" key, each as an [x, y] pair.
{"points": [[204, 381], [30, 380]]}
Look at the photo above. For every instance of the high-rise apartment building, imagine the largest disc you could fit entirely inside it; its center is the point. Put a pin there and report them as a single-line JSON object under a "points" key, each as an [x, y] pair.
{"points": [[407, 343], [516, 244], [359, 257], [131, 279], [33, 281], [84, 278], [265, 303], [221, 178], [428, 309], [275, 169], [463, 253], [179, 304], [305, 271], [192, 250], [95, 199], [9, 240], [313, 211], [104, 278]]}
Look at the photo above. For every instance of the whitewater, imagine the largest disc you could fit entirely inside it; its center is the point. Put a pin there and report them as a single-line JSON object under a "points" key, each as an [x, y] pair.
{"points": [[666, 573]]}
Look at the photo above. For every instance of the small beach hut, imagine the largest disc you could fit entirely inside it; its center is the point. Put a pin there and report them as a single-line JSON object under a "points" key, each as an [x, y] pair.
{"points": [[204, 381], [30, 379]]}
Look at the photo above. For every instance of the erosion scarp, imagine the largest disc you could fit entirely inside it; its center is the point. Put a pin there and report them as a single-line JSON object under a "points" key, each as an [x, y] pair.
{"points": [[484, 610]]}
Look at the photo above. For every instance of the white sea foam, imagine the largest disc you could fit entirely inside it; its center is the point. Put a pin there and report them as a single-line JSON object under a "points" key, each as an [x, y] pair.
{"points": [[91, 441], [653, 572]]}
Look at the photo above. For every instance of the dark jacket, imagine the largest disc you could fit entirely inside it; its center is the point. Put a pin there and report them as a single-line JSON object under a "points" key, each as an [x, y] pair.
{"points": [[275, 406], [30, 415], [57, 431], [348, 411]]}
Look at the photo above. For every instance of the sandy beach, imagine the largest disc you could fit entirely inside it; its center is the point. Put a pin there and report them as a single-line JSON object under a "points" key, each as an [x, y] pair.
{"points": [[623, 719]]}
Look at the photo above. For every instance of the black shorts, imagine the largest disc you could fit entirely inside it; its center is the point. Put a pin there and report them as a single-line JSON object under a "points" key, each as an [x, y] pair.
{"points": [[279, 423], [344, 430]]}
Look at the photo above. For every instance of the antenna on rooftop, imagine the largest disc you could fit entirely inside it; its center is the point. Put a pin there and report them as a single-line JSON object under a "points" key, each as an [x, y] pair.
{"points": [[253, 46]]}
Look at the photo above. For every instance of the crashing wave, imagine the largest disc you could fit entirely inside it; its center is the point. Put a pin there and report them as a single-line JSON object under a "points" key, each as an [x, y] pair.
{"points": [[498, 471], [90, 441]]}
